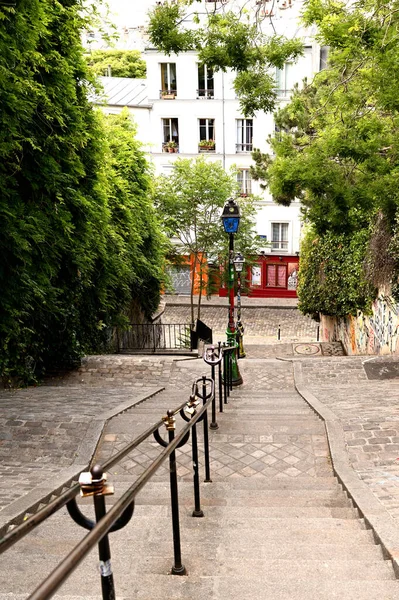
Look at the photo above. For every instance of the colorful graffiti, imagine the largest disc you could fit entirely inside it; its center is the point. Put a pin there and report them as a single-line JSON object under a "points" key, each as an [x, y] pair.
{"points": [[363, 334]]}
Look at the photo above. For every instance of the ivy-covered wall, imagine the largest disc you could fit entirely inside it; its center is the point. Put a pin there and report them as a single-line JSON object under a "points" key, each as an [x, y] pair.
{"points": [[78, 236]]}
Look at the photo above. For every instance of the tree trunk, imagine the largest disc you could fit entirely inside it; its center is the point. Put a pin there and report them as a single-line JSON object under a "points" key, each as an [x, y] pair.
{"points": [[192, 290]]}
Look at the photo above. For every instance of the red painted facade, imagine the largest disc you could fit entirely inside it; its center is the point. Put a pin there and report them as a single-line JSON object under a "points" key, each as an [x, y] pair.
{"points": [[272, 276]]}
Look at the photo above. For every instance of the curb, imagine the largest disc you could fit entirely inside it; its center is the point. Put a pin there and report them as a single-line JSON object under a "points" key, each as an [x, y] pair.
{"points": [[376, 517], [215, 305], [16, 512]]}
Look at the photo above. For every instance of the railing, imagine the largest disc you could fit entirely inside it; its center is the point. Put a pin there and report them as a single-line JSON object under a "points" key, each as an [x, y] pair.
{"points": [[93, 482], [207, 94], [244, 147], [155, 336], [167, 94]]}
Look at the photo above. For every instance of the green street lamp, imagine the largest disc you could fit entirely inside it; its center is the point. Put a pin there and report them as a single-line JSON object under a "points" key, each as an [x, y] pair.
{"points": [[239, 265], [231, 220]]}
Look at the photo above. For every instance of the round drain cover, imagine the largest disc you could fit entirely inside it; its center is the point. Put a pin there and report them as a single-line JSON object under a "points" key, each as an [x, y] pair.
{"points": [[308, 349]]}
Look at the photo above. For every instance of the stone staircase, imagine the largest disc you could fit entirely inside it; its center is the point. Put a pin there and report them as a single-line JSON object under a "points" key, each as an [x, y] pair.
{"points": [[277, 524]]}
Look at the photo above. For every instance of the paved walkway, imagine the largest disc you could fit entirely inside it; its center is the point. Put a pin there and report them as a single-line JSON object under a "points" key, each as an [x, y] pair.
{"points": [[263, 324], [277, 524], [48, 433]]}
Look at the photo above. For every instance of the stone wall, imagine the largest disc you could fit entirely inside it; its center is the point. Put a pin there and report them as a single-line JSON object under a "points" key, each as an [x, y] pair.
{"points": [[366, 334]]}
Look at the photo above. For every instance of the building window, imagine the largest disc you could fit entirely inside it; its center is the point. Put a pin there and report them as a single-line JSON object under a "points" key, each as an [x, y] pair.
{"points": [[206, 135], [168, 80], [280, 236], [244, 135], [276, 276], [205, 82], [323, 57], [245, 182], [285, 79], [294, 73], [170, 135]]}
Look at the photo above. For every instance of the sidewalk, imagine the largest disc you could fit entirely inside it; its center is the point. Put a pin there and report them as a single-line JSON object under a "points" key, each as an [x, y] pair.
{"points": [[179, 300]]}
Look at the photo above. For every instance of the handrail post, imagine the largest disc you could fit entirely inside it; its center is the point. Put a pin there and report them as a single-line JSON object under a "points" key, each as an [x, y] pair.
{"points": [[178, 568], [197, 512], [220, 380], [213, 424], [104, 551], [225, 376], [231, 370], [206, 434]]}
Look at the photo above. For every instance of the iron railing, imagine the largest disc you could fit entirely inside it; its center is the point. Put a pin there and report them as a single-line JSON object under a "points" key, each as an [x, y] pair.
{"points": [[93, 482], [155, 336]]}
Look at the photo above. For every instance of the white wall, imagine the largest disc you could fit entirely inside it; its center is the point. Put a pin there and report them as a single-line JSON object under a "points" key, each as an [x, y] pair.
{"points": [[223, 108]]}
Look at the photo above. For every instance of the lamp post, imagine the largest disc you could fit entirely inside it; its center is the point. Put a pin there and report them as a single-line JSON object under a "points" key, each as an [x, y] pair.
{"points": [[238, 265], [231, 220]]}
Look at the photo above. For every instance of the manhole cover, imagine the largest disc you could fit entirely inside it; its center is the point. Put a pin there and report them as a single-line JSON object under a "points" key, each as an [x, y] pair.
{"points": [[381, 369], [308, 349]]}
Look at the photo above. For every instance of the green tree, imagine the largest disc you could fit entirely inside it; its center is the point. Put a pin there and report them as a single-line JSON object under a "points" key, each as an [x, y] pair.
{"points": [[190, 201], [229, 37], [337, 145], [122, 63], [62, 279]]}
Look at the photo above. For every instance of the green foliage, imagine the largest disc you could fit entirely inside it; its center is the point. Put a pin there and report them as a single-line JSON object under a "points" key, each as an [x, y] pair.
{"points": [[67, 248], [331, 276], [337, 148], [123, 63], [190, 201], [226, 40]]}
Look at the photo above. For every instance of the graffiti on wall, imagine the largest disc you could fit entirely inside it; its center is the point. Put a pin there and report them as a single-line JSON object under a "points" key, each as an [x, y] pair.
{"points": [[292, 282], [363, 334]]}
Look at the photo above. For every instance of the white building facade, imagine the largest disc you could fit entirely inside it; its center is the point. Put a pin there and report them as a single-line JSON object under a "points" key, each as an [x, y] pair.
{"points": [[185, 109]]}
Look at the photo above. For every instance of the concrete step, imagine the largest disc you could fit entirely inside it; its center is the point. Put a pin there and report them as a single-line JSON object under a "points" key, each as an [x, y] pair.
{"points": [[266, 499], [161, 587]]}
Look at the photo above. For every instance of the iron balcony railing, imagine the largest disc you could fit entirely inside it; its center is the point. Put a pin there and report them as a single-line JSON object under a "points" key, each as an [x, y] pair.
{"points": [[244, 147], [93, 482], [207, 94]]}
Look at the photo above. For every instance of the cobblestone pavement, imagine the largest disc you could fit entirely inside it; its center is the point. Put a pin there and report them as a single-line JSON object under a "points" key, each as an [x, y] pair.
{"points": [[263, 321], [42, 430], [277, 434], [369, 413]]}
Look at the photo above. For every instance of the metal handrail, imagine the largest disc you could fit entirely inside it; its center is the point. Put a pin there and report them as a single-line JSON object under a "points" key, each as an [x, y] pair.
{"points": [[32, 522], [52, 583], [120, 514]]}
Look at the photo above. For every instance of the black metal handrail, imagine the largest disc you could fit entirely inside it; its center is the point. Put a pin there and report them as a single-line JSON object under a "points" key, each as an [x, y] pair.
{"points": [[48, 588], [120, 514]]}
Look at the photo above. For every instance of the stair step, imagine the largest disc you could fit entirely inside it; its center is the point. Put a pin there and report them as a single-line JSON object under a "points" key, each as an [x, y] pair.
{"points": [[274, 512]]}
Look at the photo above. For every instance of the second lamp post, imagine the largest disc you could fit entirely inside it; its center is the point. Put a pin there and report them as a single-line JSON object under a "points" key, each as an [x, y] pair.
{"points": [[231, 220]]}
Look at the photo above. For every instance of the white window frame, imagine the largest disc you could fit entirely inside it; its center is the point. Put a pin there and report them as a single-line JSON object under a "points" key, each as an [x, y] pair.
{"points": [[244, 179], [244, 133], [205, 92], [168, 78], [207, 128], [280, 244], [169, 122]]}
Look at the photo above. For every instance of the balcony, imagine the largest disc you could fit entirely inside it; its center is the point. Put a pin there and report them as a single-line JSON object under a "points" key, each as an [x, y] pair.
{"points": [[167, 94]]}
